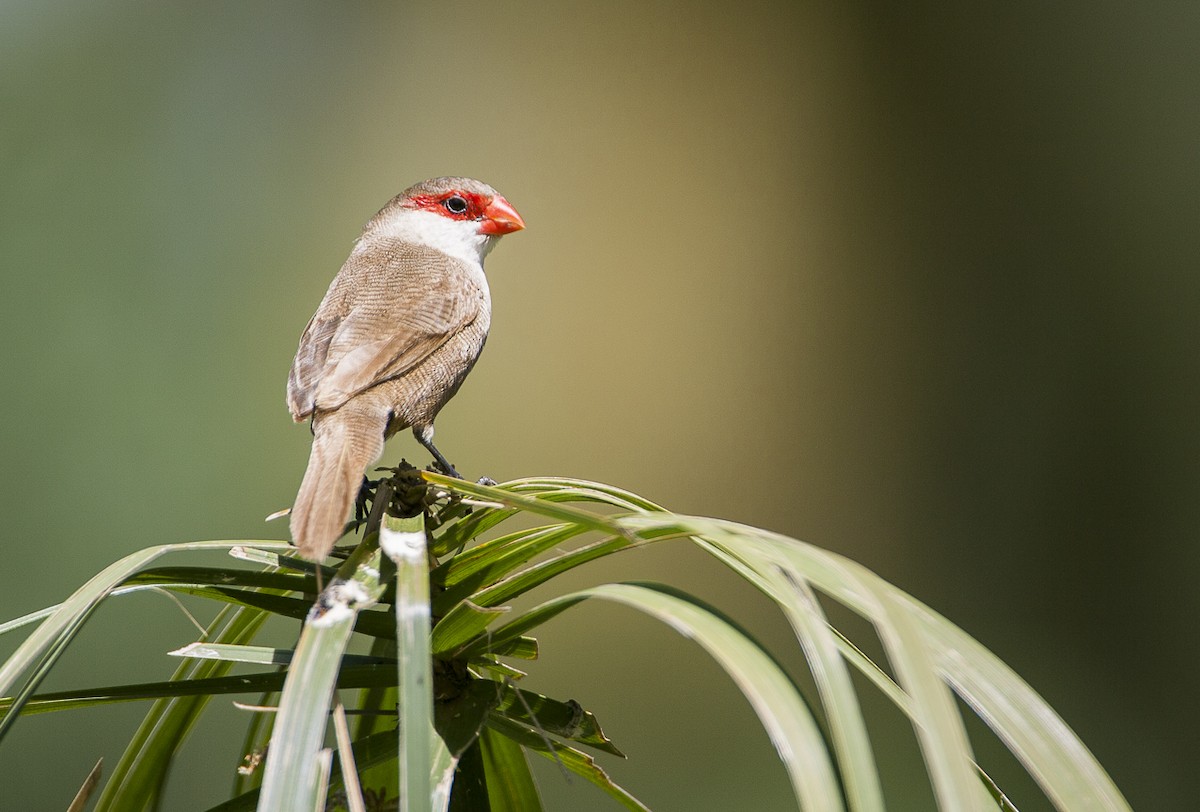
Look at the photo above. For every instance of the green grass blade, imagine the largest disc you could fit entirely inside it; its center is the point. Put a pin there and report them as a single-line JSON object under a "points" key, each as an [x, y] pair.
{"points": [[565, 719], [462, 623], [442, 764], [354, 676], [1061, 764], [140, 774], [292, 777], [591, 491], [918, 639], [257, 655], [566, 756], [854, 655], [42, 614], [375, 624], [822, 647], [848, 731], [942, 733], [404, 542], [263, 655], [936, 720], [470, 790], [458, 722], [510, 784], [540, 507], [80, 801], [295, 767], [486, 561], [537, 574], [780, 708], [457, 535], [227, 576], [522, 648], [32, 617], [324, 768], [38, 652], [379, 706]]}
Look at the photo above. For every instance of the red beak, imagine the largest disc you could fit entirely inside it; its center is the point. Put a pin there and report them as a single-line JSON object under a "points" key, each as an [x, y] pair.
{"points": [[500, 218]]}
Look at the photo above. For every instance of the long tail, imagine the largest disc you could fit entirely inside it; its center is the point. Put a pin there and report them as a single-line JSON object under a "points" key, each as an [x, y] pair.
{"points": [[345, 442]]}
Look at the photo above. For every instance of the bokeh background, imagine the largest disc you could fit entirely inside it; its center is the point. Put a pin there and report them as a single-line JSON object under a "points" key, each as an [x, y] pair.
{"points": [[913, 282]]}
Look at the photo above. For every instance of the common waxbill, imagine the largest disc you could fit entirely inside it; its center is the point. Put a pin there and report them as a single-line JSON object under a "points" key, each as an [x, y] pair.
{"points": [[399, 329]]}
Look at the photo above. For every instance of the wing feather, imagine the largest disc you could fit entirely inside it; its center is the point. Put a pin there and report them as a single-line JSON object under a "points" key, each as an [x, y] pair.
{"points": [[390, 306]]}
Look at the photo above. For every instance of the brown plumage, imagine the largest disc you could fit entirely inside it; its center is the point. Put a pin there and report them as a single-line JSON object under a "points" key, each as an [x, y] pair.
{"points": [[399, 329]]}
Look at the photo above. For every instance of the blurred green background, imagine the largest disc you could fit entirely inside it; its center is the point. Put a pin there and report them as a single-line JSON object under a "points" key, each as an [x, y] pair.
{"points": [[913, 282]]}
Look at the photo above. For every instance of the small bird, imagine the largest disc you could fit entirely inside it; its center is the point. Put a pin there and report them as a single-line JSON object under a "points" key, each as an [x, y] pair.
{"points": [[400, 327]]}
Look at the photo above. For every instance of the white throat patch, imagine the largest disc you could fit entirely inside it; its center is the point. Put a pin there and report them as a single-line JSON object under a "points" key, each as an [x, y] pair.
{"points": [[457, 238]]}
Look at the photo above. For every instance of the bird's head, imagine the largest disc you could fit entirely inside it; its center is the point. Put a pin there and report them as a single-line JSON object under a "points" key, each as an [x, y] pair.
{"points": [[461, 217]]}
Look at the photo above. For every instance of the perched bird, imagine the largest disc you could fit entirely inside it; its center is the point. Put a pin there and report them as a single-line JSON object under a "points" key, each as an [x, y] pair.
{"points": [[399, 329]]}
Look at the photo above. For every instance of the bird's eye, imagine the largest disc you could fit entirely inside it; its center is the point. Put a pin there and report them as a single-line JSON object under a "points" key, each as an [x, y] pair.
{"points": [[455, 204]]}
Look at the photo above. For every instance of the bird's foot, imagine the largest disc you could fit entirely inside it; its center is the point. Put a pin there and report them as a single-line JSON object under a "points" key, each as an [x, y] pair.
{"points": [[442, 466]]}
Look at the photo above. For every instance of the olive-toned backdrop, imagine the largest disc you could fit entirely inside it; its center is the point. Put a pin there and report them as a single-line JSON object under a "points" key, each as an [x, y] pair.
{"points": [[915, 283]]}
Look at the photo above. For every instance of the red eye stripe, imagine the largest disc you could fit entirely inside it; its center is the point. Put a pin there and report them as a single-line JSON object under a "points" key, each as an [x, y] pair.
{"points": [[437, 203]]}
